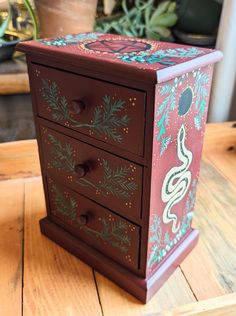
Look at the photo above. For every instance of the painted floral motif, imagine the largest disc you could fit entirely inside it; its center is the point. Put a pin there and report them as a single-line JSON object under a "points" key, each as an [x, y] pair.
{"points": [[115, 181], [168, 105], [162, 57], [201, 93], [105, 120], [169, 90], [161, 243], [113, 233], [70, 39]]}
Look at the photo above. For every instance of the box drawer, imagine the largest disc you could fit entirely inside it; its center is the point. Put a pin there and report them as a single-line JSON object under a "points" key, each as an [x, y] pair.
{"points": [[107, 112], [109, 180], [94, 224]]}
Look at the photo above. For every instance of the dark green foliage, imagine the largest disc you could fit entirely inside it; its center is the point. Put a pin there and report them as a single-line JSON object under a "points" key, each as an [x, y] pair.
{"points": [[63, 155], [143, 20], [115, 181], [66, 207], [112, 233], [105, 120], [56, 102]]}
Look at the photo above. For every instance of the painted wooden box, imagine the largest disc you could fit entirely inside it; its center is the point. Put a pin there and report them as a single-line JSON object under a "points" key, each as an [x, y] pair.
{"points": [[120, 124]]}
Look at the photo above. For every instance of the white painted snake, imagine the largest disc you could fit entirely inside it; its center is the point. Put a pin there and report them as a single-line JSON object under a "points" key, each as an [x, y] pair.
{"points": [[177, 181]]}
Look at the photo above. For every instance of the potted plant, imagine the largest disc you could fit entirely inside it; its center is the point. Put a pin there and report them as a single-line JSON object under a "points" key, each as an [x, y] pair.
{"points": [[143, 19], [9, 39], [62, 17]]}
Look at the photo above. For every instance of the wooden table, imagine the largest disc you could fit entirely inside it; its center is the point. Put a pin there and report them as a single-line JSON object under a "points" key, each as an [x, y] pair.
{"points": [[37, 277], [14, 76]]}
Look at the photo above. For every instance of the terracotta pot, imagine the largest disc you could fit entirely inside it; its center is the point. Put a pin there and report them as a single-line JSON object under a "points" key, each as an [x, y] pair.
{"points": [[61, 17]]}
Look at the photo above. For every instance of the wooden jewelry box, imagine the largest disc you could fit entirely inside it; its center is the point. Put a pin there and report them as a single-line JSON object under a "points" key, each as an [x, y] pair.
{"points": [[120, 124]]}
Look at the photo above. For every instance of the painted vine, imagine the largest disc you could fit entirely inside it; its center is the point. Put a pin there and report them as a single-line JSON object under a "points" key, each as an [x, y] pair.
{"points": [[105, 120], [115, 180], [70, 39], [162, 57], [162, 244], [113, 233]]}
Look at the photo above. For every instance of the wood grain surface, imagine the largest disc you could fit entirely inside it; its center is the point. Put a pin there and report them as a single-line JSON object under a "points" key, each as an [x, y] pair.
{"points": [[14, 77], [56, 283]]}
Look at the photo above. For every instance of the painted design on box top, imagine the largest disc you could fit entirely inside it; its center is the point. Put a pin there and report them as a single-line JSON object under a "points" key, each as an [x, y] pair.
{"points": [[162, 57], [136, 53], [118, 46], [70, 39]]}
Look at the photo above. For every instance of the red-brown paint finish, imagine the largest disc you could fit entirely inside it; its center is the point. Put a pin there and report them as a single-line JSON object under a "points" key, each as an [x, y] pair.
{"points": [[120, 124], [111, 113], [109, 180], [112, 235]]}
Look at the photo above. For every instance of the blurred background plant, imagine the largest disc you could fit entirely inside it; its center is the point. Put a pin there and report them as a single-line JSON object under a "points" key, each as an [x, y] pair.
{"points": [[16, 23], [19, 16], [138, 18]]}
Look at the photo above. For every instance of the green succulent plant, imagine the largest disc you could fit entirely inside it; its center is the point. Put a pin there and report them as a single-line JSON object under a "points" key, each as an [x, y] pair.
{"points": [[143, 20]]}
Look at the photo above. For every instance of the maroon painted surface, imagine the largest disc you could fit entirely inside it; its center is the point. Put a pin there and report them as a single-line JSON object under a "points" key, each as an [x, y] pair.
{"points": [[98, 227], [91, 92], [116, 197], [154, 154], [105, 51], [169, 163]]}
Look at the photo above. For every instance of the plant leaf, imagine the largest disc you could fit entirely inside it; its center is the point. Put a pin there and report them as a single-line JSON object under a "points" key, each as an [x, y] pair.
{"points": [[5, 23], [166, 19], [162, 8], [161, 31]]}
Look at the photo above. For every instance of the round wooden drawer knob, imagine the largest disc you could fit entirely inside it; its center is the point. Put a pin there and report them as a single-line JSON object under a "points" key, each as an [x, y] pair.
{"points": [[81, 170], [76, 106], [83, 219]]}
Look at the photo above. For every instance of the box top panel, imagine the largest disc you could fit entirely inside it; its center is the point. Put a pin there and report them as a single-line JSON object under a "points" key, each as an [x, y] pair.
{"points": [[156, 61]]}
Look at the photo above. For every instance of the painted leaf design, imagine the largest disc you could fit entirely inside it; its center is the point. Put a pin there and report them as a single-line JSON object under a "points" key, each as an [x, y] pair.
{"points": [[106, 121]]}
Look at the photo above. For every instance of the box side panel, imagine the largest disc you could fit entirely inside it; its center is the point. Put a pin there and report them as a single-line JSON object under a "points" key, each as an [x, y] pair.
{"points": [[180, 115]]}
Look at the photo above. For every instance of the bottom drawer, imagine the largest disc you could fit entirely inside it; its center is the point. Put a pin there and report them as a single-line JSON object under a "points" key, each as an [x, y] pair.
{"points": [[94, 224]]}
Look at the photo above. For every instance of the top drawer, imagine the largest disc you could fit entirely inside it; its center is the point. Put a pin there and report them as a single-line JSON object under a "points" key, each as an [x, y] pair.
{"points": [[111, 113]]}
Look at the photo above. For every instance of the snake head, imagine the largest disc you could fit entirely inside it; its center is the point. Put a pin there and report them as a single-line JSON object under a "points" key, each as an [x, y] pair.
{"points": [[182, 133]]}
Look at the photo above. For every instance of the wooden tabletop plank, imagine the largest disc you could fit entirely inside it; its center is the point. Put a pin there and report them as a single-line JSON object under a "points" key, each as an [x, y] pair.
{"points": [[55, 282], [219, 137], [174, 292], [14, 84], [225, 163], [14, 76], [11, 233], [224, 305], [215, 218], [19, 159]]}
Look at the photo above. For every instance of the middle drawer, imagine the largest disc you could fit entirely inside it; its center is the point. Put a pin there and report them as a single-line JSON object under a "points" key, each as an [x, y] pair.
{"points": [[105, 178]]}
